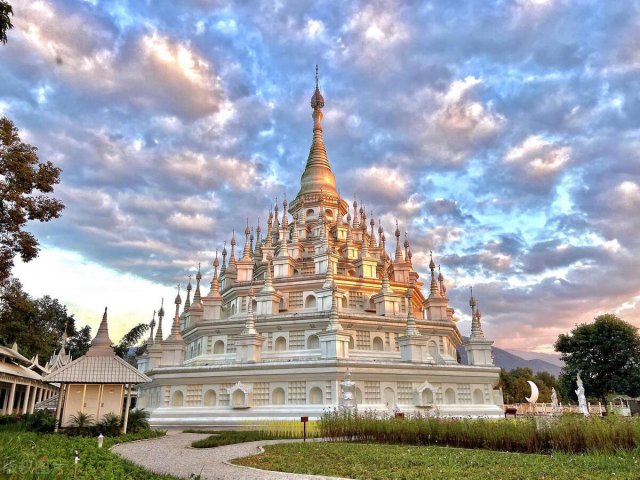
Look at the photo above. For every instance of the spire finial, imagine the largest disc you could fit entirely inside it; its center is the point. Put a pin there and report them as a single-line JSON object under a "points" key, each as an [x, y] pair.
{"points": [[197, 297], [187, 302], [472, 301], [268, 276], [158, 338], [476, 325], [101, 343], [215, 285], [152, 326], [175, 327], [246, 252], [399, 257], [317, 100], [224, 258], [412, 329], [435, 288], [334, 321], [250, 324], [232, 254]]}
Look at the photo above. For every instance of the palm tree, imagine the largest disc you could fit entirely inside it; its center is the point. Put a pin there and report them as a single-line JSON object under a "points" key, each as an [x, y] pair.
{"points": [[138, 420], [81, 422], [110, 424], [129, 340]]}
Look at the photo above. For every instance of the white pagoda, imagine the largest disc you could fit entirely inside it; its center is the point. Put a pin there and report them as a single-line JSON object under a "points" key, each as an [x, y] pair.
{"points": [[316, 295]]}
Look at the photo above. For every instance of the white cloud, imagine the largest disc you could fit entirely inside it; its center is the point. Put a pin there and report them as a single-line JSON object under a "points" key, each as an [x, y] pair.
{"points": [[86, 288], [628, 194], [538, 157], [456, 122], [151, 69]]}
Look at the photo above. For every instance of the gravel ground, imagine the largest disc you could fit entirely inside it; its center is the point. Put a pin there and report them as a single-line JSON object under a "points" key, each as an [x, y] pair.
{"points": [[173, 455]]}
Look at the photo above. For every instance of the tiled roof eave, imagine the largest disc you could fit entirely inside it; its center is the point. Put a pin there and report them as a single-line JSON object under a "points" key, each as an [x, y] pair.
{"points": [[97, 369]]}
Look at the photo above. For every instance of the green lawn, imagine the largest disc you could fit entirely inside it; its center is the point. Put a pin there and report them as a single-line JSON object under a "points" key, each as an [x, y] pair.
{"points": [[229, 437], [370, 461], [26, 455]]}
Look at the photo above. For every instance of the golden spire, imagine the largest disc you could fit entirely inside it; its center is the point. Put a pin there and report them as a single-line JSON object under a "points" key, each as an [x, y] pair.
{"points": [[317, 175]]}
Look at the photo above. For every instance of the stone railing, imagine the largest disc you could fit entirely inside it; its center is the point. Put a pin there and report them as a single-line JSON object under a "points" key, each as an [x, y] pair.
{"points": [[542, 409]]}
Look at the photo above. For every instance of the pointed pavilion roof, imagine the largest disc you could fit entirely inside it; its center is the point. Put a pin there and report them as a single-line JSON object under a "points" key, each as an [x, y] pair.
{"points": [[99, 365]]}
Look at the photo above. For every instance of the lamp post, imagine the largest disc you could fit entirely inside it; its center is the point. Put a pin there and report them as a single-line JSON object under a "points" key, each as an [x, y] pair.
{"points": [[100, 440]]}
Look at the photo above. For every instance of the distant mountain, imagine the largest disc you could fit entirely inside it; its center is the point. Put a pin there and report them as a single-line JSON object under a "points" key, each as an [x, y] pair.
{"points": [[509, 361], [547, 357]]}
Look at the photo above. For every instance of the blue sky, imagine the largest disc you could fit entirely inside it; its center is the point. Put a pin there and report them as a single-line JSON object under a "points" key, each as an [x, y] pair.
{"points": [[502, 135]]}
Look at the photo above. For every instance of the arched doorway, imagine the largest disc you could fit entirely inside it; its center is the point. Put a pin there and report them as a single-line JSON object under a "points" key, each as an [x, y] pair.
{"points": [[218, 347], [313, 342], [449, 396], [310, 302], [277, 396], [210, 398], [478, 396], [238, 399], [280, 344], [315, 396], [177, 399]]}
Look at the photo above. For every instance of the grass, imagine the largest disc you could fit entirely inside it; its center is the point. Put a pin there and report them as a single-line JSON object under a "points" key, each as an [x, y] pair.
{"points": [[571, 434], [401, 462], [266, 430], [28, 455]]}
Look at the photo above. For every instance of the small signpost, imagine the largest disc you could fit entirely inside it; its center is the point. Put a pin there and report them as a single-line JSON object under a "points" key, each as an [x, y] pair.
{"points": [[304, 421]]}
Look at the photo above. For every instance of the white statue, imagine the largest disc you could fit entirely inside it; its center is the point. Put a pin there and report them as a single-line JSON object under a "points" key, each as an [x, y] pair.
{"points": [[348, 397], [555, 406], [582, 400]]}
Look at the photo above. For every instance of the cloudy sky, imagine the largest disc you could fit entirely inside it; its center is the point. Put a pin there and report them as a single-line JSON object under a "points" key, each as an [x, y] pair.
{"points": [[502, 135]]}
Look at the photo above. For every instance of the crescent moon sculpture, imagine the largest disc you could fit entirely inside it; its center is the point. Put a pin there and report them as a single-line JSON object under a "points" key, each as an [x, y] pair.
{"points": [[534, 393]]}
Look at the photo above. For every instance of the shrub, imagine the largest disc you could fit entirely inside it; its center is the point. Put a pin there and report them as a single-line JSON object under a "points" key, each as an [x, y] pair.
{"points": [[80, 424], [109, 425], [9, 419], [40, 421], [138, 420]]}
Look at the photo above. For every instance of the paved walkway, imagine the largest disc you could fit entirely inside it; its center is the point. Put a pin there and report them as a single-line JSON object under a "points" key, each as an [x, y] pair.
{"points": [[172, 455]]}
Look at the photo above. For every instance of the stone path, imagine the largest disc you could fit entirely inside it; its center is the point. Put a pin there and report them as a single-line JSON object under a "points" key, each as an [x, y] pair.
{"points": [[172, 455]]}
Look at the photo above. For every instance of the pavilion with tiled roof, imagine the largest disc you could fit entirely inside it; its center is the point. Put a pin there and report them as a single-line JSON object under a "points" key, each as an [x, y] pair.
{"points": [[95, 384], [21, 384]]}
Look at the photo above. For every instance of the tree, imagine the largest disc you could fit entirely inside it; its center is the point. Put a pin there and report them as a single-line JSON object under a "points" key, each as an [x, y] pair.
{"points": [[130, 339], [37, 324], [607, 355], [5, 20], [24, 181], [78, 344], [515, 388]]}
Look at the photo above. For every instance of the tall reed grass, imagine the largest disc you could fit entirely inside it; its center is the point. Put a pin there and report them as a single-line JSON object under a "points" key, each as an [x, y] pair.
{"points": [[528, 435], [285, 428]]}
